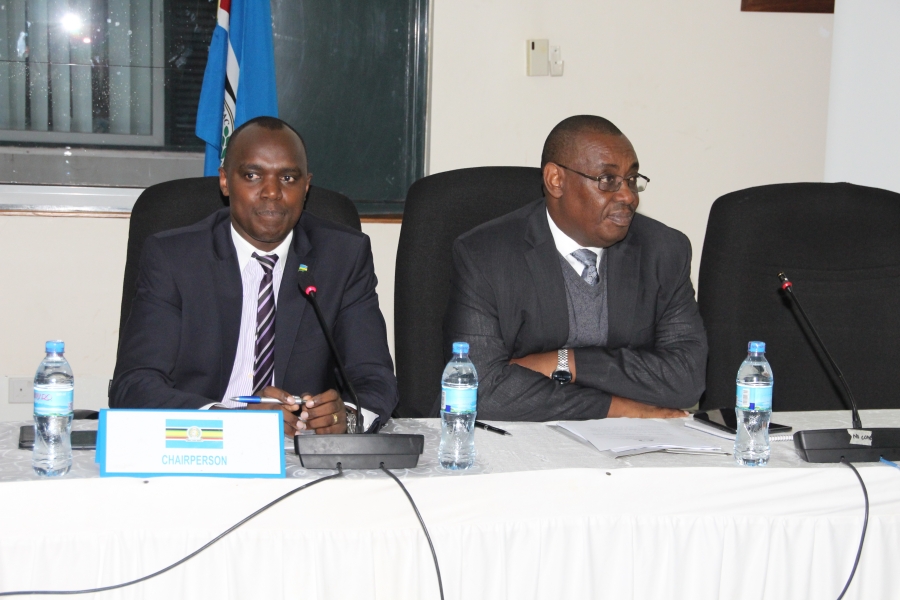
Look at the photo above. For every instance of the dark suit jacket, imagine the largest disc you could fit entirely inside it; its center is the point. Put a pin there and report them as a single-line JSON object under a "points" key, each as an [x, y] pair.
{"points": [[179, 343], [508, 300]]}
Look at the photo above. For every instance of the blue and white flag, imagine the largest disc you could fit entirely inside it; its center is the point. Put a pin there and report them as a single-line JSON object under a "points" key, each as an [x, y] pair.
{"points": [[239, 81]]}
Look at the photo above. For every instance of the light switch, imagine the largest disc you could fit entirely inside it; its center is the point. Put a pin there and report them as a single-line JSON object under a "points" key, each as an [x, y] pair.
{"points": [[538, 54], [556, 61]]}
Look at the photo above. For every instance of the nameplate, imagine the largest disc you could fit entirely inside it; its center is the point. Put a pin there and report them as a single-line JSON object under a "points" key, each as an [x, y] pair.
{"points": [[219, 443]]}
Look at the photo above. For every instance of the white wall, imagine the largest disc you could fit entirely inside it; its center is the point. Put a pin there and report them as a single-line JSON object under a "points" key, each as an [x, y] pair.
{"points": [[864, 109], [62, 279], [713, 99], [385, 237]]}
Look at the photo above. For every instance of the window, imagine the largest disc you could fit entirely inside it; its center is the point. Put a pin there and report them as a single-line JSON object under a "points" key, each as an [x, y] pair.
{"points": [[82, 72], [81, 77]]}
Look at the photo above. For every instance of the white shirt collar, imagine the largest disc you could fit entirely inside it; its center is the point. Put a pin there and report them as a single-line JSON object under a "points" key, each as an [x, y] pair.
{"points": [[245, 249], [566, 245]]}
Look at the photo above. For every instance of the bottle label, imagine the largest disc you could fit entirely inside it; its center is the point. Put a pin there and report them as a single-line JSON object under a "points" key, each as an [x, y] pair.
{"points": [[754, 397], [53, 402], [459, 400]]}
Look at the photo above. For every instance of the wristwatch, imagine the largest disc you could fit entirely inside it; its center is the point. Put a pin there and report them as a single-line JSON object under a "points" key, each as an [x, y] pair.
{"points": [[562, 375]]}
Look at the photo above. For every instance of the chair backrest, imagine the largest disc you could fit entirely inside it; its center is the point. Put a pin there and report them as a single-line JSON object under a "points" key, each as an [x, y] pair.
{"points": [[183, 202], [439, 208], [840, 246]]}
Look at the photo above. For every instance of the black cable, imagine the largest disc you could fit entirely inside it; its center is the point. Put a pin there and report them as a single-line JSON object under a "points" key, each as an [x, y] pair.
{"points": [[186, 558], [862, 538], [437, 567]]}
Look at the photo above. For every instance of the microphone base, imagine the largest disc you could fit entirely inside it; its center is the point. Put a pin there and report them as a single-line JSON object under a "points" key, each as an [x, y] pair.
{"points": [[831, 445], [362, 451]]}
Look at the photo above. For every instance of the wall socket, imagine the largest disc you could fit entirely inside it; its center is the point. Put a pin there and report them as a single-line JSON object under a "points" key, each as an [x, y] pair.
{"points": [[21, 390], [537, 54]]}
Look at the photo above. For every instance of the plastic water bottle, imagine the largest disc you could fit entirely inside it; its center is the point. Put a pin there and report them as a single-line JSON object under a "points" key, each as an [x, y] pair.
{"points": [[54, 390], [459, 396], [753, 408]]}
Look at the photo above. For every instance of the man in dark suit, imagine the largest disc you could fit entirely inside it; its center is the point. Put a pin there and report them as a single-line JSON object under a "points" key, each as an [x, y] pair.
{"points": [[574, 306], [218, 313]]}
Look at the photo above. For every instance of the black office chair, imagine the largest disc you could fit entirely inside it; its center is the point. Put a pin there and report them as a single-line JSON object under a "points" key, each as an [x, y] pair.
{"points": [[840, 245], [440, 208], [183, 202]]}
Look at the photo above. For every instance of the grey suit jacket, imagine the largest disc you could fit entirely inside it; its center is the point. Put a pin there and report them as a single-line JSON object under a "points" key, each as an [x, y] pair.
{"points": [[508, 300]]}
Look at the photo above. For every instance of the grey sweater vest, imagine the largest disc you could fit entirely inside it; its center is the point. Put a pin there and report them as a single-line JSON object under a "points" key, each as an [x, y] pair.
{"points": [[588, 311]]}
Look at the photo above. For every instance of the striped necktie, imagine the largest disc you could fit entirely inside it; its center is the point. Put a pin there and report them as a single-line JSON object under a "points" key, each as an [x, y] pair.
{"points": [[589, 259], [264, 365]]}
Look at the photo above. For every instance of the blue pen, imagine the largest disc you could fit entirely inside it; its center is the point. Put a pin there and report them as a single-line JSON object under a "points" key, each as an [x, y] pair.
{"points": [[263, 400]]}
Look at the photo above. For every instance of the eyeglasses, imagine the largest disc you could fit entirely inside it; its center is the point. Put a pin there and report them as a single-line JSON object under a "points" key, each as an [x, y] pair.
{"points": [[612, 183]]}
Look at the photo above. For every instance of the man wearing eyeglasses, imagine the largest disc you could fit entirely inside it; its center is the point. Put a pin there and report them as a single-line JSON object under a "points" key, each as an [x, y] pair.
{"points": [[575, 306]]}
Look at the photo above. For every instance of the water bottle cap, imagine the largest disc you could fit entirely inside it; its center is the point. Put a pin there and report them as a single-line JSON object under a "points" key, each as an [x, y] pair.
{"points": [[460, 347], [756, 346], [57, 346]]}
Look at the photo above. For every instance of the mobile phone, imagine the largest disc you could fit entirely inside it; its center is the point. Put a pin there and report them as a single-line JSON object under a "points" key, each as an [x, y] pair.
{"points": [[726, 420], [81, 440]]}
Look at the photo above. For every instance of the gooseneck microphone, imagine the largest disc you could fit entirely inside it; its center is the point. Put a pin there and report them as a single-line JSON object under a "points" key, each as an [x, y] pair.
{"points": [[371, 451], [308, 288], [834, 445], [788, 288]]}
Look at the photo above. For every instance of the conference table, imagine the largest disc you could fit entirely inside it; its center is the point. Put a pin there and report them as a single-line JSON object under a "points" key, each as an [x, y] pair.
{"points": [[541, 514]]}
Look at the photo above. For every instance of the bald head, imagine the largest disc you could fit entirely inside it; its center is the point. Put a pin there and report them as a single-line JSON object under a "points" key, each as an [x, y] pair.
{"points": [[560, 145], [267, 123]]}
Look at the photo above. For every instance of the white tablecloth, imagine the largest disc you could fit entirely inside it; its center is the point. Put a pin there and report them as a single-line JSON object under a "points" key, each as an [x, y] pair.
{"points": [[543, 516]]}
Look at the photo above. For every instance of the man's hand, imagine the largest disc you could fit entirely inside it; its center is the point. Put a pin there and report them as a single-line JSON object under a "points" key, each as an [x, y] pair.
{"points": [[623, 407], [289, 407], [544, 362], [325, 413]]}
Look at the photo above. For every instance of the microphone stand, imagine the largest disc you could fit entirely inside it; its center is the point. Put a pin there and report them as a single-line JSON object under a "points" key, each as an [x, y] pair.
{"points": [[834, 445], [311, 296], [373, 451], [788, 288]]}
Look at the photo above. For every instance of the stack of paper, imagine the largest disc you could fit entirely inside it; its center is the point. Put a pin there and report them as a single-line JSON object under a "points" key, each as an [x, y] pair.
{"points": [[625, 437]]}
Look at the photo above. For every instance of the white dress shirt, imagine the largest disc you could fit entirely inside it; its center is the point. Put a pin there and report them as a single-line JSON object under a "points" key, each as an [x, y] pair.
{"points": [[241, 382], [566, 246]]}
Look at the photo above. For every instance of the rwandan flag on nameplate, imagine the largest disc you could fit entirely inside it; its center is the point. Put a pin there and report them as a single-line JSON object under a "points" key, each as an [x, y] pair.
{"points": [[239, 81]]}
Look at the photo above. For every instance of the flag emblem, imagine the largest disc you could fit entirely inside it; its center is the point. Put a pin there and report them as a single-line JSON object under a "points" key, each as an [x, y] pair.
{"points": [[303, 268], [239, 80], [196, 434]]}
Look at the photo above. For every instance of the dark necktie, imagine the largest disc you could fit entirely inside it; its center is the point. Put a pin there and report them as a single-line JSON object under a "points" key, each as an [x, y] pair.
{"points": [[589, 260], [264, 364]]}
